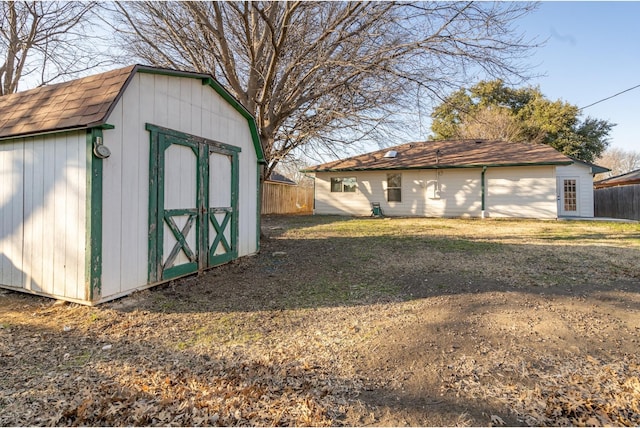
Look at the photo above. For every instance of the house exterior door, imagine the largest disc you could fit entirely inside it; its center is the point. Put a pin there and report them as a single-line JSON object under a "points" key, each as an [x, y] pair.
{"points": [[193, 207], [568, 196]]}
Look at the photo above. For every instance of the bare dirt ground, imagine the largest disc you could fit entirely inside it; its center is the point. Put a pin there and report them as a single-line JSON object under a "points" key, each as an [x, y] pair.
{"points": [[342, 321]]}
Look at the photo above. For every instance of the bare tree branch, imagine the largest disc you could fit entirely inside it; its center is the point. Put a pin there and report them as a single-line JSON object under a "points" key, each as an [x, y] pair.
{"points": [[44, 39], [329, 74]]}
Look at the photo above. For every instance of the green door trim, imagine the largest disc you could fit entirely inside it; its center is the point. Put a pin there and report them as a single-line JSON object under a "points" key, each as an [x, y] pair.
{"points": [[181, 242], [231, 213], [93, 252], [202, 256], [220, 238]]}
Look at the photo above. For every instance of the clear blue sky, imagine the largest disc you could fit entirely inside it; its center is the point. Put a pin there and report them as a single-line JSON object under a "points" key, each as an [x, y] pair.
{"points": [[592, 51]]}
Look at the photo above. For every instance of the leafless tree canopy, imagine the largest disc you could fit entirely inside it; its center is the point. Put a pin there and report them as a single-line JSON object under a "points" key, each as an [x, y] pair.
{"points": [[42, 41], [327, 73], [491, 122], [619, 161]]}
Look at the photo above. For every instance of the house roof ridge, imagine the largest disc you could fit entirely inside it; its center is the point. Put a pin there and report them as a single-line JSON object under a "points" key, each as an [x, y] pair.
{"points": [[450, 153]]}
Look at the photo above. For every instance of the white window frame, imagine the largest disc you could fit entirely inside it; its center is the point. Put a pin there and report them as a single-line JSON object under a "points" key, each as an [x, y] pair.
{"points": [[394, 188], [344, 188]]}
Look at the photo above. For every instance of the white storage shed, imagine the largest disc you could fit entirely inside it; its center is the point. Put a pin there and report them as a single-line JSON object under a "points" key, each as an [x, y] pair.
{"points": [[119, 181]]}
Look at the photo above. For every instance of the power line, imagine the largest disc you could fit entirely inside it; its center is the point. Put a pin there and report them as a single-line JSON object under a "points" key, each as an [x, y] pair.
{"points": [[608, 98]]}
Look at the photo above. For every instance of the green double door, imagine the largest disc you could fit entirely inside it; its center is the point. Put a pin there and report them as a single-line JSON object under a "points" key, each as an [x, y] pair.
{"points": [[193, 208]]}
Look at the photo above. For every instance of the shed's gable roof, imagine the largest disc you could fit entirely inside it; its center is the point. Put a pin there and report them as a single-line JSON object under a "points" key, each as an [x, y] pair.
{"points": [[450, 154], [80, 103], [88, 101]]}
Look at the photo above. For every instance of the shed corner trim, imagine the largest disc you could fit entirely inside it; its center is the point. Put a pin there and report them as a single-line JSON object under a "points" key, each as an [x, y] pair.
{"points": [[93, 249]]}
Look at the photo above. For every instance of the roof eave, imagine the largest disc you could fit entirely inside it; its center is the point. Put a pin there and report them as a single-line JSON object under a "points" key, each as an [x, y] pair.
{"points": [[602, 185], [478, 165], [93, 125]]}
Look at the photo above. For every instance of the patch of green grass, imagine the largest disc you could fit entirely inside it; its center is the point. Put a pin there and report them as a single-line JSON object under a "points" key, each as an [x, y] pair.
{"points": [[226, 329], [77, 360], [624, 234], [165, 303], [464, 246], [333, 290]]}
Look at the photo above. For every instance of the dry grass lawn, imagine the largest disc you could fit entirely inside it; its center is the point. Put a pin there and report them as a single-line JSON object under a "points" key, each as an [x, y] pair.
{"points": [[351, 321]]}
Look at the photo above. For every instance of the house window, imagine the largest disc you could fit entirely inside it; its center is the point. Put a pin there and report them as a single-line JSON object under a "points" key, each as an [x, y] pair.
{"points": [[394, 187], [570, 195], [343, 184]]}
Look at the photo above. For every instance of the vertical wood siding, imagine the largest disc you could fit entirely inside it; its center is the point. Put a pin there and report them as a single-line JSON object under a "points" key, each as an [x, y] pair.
{"points": [[618, 202], [219, 195], [180, 192], [182, 104], [43, 207], [280, 198], [11, 213]]}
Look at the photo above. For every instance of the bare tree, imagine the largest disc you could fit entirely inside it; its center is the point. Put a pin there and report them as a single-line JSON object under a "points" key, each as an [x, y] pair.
{"points": [[291, 168], [327, 73], [619, 161], [491, 122], [43, 41]]}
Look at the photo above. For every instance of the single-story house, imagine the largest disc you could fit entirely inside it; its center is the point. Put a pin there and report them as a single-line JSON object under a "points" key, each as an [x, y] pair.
{"points": [[461, 178], [627, 179], [122, 180]]}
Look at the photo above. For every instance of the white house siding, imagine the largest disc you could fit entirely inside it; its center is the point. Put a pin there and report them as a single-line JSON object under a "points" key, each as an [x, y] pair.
{"points": [[453, 192], [371, 187], [43, 214], [431, 193], [584, 181], [528, 192], [181, 104]]}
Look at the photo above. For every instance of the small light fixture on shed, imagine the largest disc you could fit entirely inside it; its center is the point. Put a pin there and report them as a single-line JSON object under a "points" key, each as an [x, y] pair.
{"points": [[100, 150]]}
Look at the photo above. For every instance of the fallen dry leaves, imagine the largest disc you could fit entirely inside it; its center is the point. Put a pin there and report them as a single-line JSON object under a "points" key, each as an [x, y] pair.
{"points": [[67, 376], [555, 392], [429, 324]]}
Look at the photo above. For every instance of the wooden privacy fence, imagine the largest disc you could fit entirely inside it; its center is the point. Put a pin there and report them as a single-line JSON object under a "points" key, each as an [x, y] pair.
{"points": [[280, 198], [618, 202]]}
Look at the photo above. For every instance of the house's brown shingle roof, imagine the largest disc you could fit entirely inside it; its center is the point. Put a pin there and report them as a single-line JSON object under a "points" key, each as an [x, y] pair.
{"points": [[78, 103], [450, 154]]}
